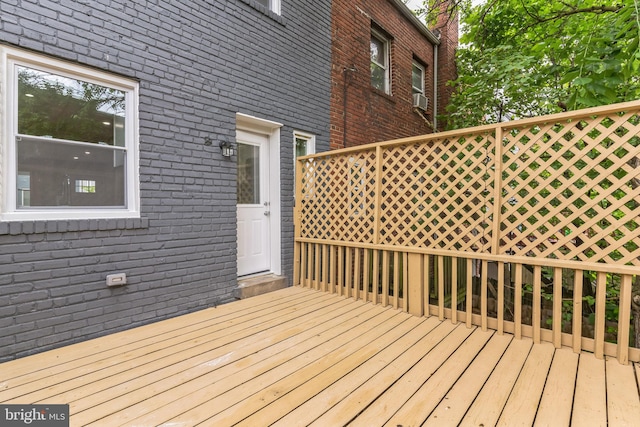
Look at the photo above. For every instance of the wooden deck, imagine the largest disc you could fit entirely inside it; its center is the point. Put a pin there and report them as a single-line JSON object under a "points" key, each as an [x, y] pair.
{"points": [[303, 357]]}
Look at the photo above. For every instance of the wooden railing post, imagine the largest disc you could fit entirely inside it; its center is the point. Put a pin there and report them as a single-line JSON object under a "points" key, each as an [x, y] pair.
{"points": [[378, 197], [483, 294], [623, 319], [557, 307], [297, 212], [517, 297], [601, 300], [577, 311], [495, 230], [537, 299], [415, 284], [454, 290], [297, 223], [439, 265], [497, 191]]}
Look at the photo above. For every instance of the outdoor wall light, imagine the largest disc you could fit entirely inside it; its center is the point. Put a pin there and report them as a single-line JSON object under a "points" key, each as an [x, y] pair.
{"points": [[227, 148]]}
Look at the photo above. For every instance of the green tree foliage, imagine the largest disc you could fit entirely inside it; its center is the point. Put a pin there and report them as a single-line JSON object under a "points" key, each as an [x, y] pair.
{"points": [[525, 58]]}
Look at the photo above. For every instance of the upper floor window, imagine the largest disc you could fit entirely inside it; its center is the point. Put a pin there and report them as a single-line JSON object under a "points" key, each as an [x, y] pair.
{"points": [[272, 5], [303, 144], [70, 141], [380, 62], [417, 78]]}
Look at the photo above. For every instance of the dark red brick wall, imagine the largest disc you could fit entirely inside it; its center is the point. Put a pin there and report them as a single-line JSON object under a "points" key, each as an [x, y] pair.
{"points": [[372, 115], [448, 27]]}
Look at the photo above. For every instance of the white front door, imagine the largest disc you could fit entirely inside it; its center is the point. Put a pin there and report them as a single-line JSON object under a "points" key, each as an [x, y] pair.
{"points": [[254, 214]]}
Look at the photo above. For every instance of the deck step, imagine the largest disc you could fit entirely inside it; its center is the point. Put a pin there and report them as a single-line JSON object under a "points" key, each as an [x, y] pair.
{"points": [[258, 285]]}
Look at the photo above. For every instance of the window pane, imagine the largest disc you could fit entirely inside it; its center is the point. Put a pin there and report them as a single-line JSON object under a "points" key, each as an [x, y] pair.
{"points": [[49, 172], [378, 77], [248, 174], [59, 107], [301, 147], [263, 2], [24, 189], [85, 186], [417, 79], [377, 51]]}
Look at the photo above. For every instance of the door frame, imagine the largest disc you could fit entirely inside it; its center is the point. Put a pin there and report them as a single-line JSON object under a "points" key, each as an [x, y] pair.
{"points": [[271, 130]]}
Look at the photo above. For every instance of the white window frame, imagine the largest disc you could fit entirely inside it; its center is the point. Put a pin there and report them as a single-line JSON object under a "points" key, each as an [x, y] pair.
{"points": [[424, 71], [310, 140], [387, 61], [274, 6], [10, 58]]}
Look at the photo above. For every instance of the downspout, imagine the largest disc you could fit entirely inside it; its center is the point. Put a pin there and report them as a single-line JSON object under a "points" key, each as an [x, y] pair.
{"points": [[435, 82]]}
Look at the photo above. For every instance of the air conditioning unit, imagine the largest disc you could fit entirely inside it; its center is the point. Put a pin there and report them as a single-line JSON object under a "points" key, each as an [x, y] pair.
{"points": [[420, 101]]}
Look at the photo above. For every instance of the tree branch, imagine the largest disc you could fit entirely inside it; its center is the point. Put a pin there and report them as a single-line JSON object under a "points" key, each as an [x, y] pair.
{"points": [[484, 15], [524, 6], [572, 11]]}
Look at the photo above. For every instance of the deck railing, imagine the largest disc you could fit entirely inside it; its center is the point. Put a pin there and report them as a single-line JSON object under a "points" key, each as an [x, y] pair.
{"points": [[529, 227]]}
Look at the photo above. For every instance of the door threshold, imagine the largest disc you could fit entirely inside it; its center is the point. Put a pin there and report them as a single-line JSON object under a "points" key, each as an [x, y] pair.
{"points": [[259, 284]]}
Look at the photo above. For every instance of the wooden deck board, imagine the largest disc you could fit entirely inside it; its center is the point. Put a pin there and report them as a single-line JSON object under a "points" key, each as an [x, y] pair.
{"points": [[623, 408], [116, 343], [457, 401], [557, 397], [310, 401], [348, 351], [391, 401], [418, 407], [226, 359], [172, 349], [524, 399], [590, 399], [487, 407], [303, 357], [163, 399], [357, 401]]}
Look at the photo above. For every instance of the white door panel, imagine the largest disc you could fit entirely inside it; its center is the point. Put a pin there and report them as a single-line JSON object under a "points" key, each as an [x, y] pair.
{"points": [[253, 205]]}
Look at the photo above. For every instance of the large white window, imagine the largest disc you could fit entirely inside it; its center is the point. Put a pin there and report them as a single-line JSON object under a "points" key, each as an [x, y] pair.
{"points": [[380, 68], [272, 5], [69, 141]]}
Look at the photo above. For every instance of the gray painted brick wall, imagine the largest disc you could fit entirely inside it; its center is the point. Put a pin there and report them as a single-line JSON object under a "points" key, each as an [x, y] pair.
{"points": [[198, 63]]}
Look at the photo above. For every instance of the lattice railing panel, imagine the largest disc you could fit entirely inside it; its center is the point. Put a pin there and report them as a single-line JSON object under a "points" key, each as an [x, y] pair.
{"points": [[570, 190], [337, 197], [438, 194]]}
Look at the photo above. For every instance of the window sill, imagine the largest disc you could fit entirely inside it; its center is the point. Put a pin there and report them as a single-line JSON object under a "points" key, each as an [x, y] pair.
{"points": [[72, 225], [383, 94]]}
